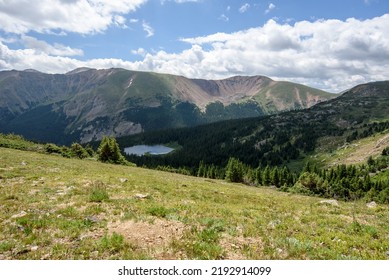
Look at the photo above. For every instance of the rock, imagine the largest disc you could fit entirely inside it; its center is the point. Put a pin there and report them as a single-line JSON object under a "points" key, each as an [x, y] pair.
{"points": [[23, 163], [21, 214], [371, 204], [123, 180], [333, 202], [141, 196], [34, 248], [92, 219]]}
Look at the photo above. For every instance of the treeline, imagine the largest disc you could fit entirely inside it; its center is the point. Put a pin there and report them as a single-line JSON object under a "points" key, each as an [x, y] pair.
{"points": [[345, 182], [264, 141], [368, 130], [269, 140], [108, 150]]}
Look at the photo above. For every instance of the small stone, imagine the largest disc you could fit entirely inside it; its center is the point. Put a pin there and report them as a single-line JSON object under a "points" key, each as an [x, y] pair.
{"points": [[23, 163], [123, 180], [21, 214], [141, 196], [34, 248], [371, 204], [92, 219]]}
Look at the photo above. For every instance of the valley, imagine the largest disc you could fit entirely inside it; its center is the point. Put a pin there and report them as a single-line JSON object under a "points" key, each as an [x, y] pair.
{"points": [[294, 177]]}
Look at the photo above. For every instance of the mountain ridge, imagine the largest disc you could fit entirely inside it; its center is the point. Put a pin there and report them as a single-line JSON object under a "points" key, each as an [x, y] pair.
{"points": [[86, 104]]}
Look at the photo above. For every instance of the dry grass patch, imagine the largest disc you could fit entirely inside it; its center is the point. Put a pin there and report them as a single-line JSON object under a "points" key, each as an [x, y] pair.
{"points": [[241, 248], [154, 236]]}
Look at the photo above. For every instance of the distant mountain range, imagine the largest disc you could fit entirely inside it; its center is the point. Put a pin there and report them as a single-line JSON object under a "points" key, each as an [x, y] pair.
{"points": [[85, 104]]}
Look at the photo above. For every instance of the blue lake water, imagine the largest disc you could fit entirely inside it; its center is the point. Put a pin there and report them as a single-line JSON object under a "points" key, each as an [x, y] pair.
{"points": [[140, 150]]}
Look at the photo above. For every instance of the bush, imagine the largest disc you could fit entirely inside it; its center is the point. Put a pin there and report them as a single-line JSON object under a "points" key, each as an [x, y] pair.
{"points": [[98, 192], [78, 151], [53, 149]]}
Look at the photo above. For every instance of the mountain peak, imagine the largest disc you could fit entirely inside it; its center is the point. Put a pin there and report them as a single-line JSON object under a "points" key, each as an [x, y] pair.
{"points": [[79, 70], [32, 71]]}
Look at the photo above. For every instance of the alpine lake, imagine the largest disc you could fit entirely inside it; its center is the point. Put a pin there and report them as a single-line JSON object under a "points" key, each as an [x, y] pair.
{"points": [[141, 150]]}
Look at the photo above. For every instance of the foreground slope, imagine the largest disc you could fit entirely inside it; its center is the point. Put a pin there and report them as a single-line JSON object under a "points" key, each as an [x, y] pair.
{"points": [[86, 104], [57, 208]]}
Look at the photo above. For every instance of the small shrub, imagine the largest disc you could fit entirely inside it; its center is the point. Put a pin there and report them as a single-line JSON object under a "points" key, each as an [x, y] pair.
{"points": [[114, 243], [98, 192], [52, 149], [78, 151], [158, 211]]}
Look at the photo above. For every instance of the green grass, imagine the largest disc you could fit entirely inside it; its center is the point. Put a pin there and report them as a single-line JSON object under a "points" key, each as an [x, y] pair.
{"points": [[47, 212], [98, 193]]}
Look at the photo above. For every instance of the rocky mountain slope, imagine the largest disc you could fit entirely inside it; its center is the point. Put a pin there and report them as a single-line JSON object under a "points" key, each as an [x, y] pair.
{"points": [[85, 104]]}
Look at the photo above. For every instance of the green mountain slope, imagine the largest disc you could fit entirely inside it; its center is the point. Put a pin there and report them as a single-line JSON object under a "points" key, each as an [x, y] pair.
{"points": [[57, 208], [85, 104], [286, 138]]}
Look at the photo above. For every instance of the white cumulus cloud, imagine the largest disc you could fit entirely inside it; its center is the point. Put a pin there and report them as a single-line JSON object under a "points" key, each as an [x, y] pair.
{"points": [[56, 49], [329, 54], [79, 16]]}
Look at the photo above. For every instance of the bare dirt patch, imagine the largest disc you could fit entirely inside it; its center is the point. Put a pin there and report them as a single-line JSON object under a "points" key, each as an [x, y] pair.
{"points": [[153, 236], [235, 245]]}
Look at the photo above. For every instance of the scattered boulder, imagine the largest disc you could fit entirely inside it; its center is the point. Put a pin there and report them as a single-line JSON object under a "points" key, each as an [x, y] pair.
{"points": [[141, 196], [333, 202]]}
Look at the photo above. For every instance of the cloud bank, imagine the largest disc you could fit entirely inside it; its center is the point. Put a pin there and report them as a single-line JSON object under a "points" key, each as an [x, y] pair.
{"points": [[329, 54]]}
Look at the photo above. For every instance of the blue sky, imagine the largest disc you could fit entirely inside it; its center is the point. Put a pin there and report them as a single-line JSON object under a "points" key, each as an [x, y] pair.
{"points": [[331, 44]]}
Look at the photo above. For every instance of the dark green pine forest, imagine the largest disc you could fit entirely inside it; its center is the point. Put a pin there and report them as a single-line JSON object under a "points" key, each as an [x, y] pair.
{"points": [[278, 149]]}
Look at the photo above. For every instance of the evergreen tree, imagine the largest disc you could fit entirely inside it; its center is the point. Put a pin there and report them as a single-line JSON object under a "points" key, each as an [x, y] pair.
{"points": [[201, 171], [284, 176], [275, 177], [307, 167], [109, 151], [258, 176], [234, 170], [266, 176]]}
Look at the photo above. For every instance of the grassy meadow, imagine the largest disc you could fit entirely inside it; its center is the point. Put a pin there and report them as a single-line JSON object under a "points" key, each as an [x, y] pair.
{"points": [[57, 208]]}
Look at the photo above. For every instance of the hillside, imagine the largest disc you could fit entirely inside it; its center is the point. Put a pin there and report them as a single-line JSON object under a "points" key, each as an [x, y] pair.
{"points": [[286, 138], [59, 208], [85, 104]]}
